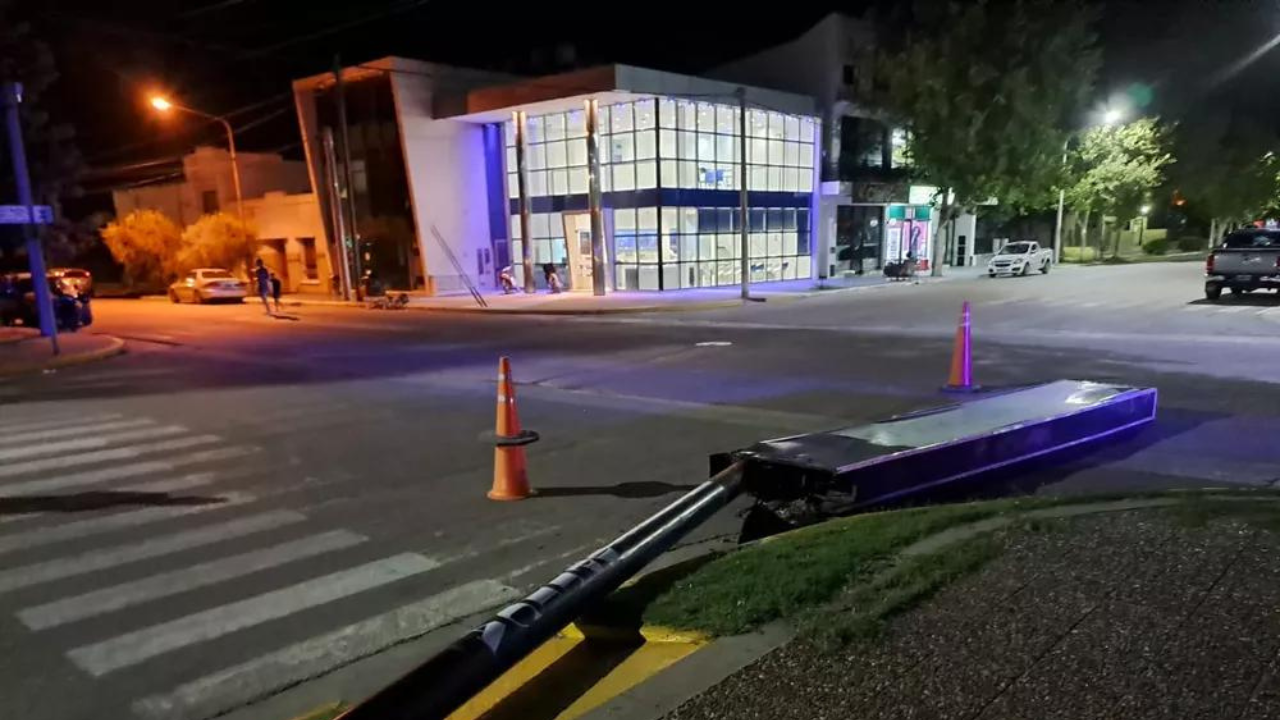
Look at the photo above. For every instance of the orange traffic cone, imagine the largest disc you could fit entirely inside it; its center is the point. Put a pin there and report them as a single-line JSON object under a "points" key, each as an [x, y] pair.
{"points": [[510, 473], [961, 378]]}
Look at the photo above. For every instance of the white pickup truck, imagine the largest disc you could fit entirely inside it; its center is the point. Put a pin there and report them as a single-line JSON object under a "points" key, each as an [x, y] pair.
{"points": [[1247, 260], [1020, 258]]}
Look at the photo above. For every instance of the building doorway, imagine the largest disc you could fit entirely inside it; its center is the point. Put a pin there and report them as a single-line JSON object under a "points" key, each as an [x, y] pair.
{"points": [[272, 253], [577, 235]]}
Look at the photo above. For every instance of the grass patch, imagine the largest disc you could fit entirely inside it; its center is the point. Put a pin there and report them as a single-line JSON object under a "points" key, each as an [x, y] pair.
{"points": [[863, 614], [800, 570]]}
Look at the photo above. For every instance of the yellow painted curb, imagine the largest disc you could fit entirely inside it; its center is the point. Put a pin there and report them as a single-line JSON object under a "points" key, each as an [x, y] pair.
{"points": [[115, 346], [613, 660], [324, 712]]}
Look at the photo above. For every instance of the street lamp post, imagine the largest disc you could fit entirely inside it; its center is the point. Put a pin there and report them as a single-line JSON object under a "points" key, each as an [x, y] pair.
{"points": [[1142, 229], [164, 105], [1110, 117]]}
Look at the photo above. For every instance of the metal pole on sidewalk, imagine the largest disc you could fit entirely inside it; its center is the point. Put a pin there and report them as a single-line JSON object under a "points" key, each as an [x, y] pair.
{"points": [[335, 207], [341, 90], [745, 261], [12, 98]]}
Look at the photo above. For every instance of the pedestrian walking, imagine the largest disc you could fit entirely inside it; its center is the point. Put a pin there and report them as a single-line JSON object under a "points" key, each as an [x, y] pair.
{"points": [[263, 278], [275, 290]]}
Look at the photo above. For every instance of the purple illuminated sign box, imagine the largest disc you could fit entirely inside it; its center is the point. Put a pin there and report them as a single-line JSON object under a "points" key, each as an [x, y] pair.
{"points": [[843, 470]]}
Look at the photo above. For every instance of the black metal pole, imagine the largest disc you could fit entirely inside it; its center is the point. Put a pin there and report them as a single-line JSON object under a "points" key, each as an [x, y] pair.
{"points": [[454, 675], [12, 98]]}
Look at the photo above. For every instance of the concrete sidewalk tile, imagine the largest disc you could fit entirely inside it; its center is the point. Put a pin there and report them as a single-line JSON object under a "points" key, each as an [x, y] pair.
{"points": [[34, 355]]}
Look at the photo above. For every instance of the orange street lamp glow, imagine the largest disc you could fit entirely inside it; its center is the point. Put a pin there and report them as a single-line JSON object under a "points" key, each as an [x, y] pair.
{"points": [[160, 103]]}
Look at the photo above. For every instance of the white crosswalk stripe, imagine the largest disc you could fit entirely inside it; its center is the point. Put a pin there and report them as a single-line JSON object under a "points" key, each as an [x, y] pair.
{"points": [[256, 678], [89, 443], [120, 453], [95, 526], [71, 431], [105, 558], [154, 587], [135, 647], [43, 422], [121, 472]]}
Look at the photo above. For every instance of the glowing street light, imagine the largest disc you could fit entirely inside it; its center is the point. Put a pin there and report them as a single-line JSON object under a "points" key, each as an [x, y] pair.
{"points": [[163, 104], [1144, 210], [1110, 116]]}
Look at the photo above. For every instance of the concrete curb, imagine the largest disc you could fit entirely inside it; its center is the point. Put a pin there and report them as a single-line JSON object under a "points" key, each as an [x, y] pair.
{"points": [[115, 346], [659, 695], [18, 337]]}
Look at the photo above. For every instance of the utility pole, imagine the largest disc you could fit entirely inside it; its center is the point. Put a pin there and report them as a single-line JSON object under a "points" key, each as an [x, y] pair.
{"points": [[12, 98], [335, 209], [340, 89], [742, 192]]}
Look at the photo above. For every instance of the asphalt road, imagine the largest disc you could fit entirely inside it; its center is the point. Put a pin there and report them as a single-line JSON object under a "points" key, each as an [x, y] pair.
{"points": [[243, 503]]}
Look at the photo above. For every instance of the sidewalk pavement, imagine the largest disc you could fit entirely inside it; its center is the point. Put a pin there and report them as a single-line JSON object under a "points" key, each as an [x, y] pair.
{"points": [[691, 300], [23, 351], [1140, 614]]}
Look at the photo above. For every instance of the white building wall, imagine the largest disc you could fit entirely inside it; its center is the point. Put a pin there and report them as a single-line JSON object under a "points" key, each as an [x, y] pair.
{"points": [[444, 162]]}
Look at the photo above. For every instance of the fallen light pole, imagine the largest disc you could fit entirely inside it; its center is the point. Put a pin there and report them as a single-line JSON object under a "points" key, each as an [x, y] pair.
{"points": [[451, 677], [806, 478]]}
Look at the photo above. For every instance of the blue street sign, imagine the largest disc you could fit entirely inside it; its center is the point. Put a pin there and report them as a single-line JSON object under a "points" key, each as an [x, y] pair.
{"points": [[18, 215]]}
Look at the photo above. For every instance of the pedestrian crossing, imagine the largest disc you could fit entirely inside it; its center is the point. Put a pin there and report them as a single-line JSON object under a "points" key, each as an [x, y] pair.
{"points": [[198, 555]]}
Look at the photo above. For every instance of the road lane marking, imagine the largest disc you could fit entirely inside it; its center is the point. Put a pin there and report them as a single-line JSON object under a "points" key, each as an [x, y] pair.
{"points": [[51, 534], [105, 558], [89, 443], [72, 431], [120, 472], [117, 597], [89, 458], [132, 648], [44, 424], [244, 683]]}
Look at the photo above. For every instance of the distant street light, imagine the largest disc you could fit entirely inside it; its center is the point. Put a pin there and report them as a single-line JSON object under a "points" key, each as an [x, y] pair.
{"points": [[1142, 227], [1110, 117], [163, 104]]}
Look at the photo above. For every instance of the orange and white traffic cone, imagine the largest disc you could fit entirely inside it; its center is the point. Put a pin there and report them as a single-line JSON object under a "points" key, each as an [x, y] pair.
{"points": [[510, 471], [961, 377]]}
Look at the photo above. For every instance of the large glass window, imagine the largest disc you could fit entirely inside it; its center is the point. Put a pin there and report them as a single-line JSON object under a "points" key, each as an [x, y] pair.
{"points": [[555, 155], [705, 245]]}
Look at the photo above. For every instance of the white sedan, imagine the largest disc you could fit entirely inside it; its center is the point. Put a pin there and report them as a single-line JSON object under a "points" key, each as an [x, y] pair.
{"points": [[208, 285]]}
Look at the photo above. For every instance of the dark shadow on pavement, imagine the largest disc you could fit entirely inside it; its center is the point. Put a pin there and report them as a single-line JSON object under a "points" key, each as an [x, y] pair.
{"points": [[1254, 299], [285, 316], [81, 502], [629, 490]]}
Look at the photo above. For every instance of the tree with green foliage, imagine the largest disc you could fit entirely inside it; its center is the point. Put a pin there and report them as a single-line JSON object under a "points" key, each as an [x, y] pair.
{"points": [[1227, 168], [146, 243], [1114, 169], [219, 240], [987, 91]]}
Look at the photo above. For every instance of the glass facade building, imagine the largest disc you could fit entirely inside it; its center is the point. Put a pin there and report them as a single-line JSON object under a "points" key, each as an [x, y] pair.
{"points": [[670, 173]]}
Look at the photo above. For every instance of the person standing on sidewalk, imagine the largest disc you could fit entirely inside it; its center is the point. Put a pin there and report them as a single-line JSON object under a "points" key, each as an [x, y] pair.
{"points": [[275, 290], [263, 278]]}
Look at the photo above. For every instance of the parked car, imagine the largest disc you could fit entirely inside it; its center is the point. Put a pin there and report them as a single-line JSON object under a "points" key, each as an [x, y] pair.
{"points": [[1020, 258], [18, 303], [204, 285], [1247, 260], [75, 278]]}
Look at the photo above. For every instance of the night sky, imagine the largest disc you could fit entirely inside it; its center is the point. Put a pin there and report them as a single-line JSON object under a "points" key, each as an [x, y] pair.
{"points": [[225, 55]]}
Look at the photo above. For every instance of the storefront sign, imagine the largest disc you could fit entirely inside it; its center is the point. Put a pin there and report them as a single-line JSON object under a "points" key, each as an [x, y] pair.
{"points": [[877, 192]]}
